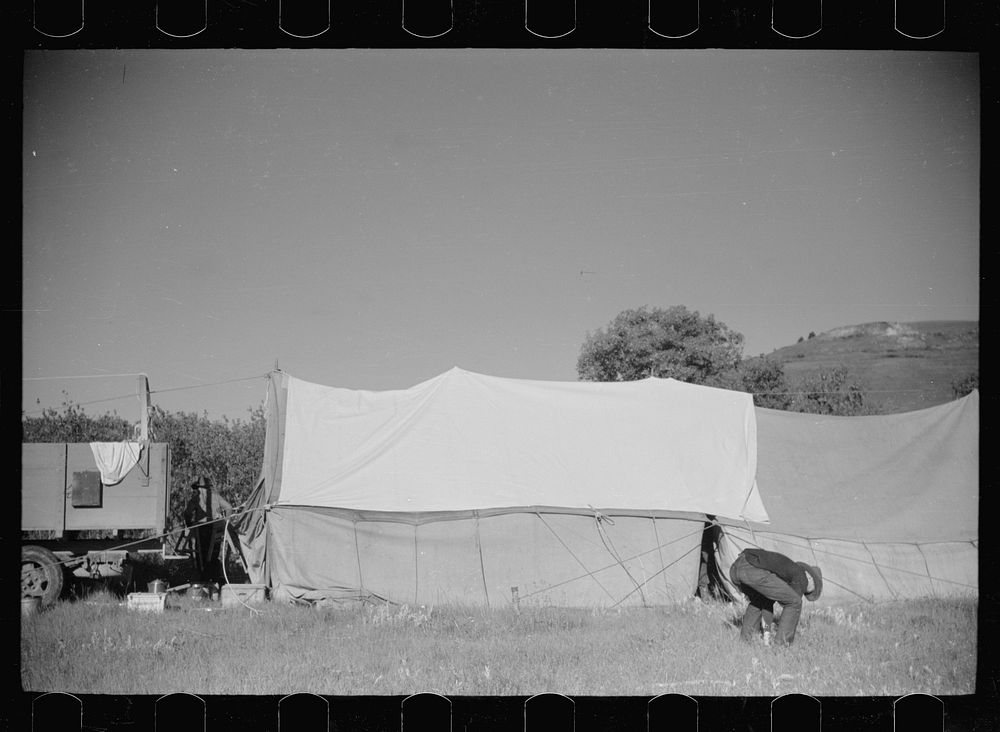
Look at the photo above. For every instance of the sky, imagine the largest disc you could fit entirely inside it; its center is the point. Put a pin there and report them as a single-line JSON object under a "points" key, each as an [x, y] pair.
{"points": [[372, 218]]}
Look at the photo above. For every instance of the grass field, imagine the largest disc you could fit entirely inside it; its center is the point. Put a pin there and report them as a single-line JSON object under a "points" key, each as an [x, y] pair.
{"points": [[98, 646]]}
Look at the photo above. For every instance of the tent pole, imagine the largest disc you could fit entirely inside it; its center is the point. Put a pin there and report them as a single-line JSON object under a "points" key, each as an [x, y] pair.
{"points": [[143, 391]]}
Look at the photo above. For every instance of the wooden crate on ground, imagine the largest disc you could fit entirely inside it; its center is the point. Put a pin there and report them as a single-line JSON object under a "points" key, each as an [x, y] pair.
{"points": [[147, 601], [235, 595]]}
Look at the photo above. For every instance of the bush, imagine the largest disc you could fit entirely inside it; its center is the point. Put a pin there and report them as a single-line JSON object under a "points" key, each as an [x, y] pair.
{"points": [[834, 391], [963, 386], [764, 377]]}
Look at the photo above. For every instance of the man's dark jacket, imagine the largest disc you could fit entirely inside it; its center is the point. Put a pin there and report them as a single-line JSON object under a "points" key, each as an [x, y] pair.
{"points": [[780, 565]]}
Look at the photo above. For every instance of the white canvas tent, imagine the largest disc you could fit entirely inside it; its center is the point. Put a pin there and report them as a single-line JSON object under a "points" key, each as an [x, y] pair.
{"points": [[465, 487], [887, 506]]}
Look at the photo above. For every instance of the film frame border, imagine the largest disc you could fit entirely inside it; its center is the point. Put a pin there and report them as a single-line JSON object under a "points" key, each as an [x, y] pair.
{"points": [[259, 24]]}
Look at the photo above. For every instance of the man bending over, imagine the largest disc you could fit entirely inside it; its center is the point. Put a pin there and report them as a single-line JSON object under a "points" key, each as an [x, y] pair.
{"points": [[769, 577]]}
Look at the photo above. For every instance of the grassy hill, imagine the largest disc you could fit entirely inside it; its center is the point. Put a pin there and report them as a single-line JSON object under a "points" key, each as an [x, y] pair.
{"points": [[903, 366]]}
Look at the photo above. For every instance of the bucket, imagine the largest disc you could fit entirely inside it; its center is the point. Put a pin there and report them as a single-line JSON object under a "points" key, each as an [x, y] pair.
{"points": [[30, 606], [157, 586], [202, 590]]}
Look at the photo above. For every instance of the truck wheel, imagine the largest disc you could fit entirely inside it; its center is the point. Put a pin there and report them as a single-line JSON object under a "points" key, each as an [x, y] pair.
{"points": [[41, 574]]}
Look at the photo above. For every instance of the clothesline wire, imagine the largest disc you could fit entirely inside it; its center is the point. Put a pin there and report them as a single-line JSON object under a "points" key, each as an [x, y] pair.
{"points": [[153, 391], [84, 404], [200, 386], [84, 376]]}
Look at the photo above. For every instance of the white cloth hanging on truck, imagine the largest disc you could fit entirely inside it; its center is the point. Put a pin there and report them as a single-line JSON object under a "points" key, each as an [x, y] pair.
{"points": [[115, 459]]}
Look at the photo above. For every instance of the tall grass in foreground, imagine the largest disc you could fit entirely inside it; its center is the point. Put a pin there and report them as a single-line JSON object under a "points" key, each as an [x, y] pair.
{"points": [[99, 646]]}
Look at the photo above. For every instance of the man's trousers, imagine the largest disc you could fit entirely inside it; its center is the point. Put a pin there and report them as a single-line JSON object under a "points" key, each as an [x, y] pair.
{"points": [[763, 589]]}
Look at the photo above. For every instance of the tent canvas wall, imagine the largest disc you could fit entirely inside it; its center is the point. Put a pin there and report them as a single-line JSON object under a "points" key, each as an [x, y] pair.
{"points": [[467, 486]]}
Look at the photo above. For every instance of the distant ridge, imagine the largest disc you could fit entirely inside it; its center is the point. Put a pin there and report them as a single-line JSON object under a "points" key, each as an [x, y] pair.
{"points": [[902, 366]]}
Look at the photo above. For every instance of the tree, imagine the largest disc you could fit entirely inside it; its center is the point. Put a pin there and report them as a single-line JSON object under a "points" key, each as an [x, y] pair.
{"points": [[668, 343]]}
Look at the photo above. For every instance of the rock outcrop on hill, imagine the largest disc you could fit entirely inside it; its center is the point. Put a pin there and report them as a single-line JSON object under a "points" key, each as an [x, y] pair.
{"points": [[899, 334]]}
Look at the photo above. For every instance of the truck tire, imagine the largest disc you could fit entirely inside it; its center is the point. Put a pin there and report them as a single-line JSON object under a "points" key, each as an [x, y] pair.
{"points": [[41, 574]]}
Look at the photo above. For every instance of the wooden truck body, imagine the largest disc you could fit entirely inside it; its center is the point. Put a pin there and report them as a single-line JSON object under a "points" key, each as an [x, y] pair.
{"points": [[72, 522]]}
